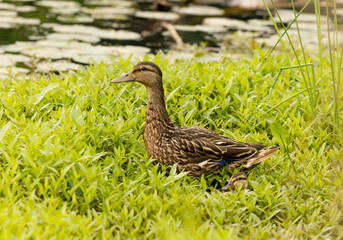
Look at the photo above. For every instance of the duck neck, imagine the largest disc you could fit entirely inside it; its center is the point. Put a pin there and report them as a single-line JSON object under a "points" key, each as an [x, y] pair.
{"points": [[156, 107]]}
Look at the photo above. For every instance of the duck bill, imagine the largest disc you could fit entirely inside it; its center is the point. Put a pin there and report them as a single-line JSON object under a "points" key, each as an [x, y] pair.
{"points": [[126, 78], [228, 186]]}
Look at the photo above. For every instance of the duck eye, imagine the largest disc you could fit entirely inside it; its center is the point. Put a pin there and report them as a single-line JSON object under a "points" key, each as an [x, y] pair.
{"points": [[143, 68]]}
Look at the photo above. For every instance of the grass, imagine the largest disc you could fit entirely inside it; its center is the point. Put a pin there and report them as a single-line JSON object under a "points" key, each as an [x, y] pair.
{"points": [[73, 163], [334, 49]]}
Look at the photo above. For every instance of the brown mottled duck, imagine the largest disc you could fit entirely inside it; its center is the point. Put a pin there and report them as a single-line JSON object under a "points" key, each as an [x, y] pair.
{"points": [[195, 149], [238, 180]]}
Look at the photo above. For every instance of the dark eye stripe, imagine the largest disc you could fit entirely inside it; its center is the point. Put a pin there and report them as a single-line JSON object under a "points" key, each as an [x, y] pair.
{"points": [[241, 178], [142, 69]]}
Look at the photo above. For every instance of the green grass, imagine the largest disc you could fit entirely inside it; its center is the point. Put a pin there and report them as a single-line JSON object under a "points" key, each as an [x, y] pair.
{"points": [[73, 163]]}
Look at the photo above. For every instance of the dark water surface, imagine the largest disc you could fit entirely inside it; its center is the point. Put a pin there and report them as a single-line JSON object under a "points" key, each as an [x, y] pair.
{"points": [[36, 29]]}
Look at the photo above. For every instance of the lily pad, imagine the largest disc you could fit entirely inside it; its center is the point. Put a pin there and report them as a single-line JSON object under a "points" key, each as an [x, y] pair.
{"points": [[70, 37], [90, 58], [23, 0], [19, 46], [201, 11], [7, 6], [339, 12], [49, 48], [259, 22], [102, 33], [109, 10], [57, 66], [110, 16], [200, 28], [308, 27], [5, 25], [166, 16], [116, 50], [13, 70], [58, 4], [7, 60], [225, 22], [19, 20], [252, 28], [49, 53], [287, 16], [68, 11], [25, 8], [75, 19], [109, 3], [61, 7], [8, 13]]}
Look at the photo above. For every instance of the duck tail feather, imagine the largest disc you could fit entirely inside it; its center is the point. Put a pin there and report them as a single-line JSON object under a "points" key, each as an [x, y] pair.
{"points": [[260, 157]]}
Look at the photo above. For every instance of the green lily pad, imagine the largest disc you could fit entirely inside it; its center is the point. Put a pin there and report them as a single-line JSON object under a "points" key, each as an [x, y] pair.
{"points": [[166, 16], [201, 11]]}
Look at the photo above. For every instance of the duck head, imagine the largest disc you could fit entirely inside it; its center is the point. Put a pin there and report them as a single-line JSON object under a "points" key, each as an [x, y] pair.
{"points": [[238, 180], [147, 73]]}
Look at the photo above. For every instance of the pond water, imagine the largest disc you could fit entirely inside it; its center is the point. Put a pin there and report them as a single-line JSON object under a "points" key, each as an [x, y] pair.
{"points": [[47, 35]]}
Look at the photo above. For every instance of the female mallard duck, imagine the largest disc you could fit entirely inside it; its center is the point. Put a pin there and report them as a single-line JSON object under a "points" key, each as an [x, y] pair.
{"points": [[238, 180], [195, 149]]}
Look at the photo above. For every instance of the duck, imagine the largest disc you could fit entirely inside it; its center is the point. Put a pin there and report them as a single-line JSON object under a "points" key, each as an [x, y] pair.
{"points": [[239, 180], [194, 149]]}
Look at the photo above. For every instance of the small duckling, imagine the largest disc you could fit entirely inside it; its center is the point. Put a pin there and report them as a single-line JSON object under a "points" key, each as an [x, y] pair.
{"points": [[238, 180]]}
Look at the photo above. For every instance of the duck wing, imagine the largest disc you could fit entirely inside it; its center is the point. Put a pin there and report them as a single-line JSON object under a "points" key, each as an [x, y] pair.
{"points": [[196, 145]]}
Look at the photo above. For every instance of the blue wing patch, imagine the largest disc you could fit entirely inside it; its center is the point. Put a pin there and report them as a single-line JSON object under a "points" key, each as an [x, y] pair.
{"points": [[221, 162]]}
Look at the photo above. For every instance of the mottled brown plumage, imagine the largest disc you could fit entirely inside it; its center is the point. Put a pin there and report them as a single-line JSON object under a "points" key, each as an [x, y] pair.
{"points": [[238, 180], [195, 149]]}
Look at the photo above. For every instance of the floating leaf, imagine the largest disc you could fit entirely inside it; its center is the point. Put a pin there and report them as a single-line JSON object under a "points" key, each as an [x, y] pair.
{"points": [[166, 16], [7, 60], [201, 11], [57, 66]]}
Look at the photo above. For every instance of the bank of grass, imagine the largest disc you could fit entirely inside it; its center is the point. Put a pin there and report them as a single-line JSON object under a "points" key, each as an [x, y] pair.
{"points": [[73, 163]]}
